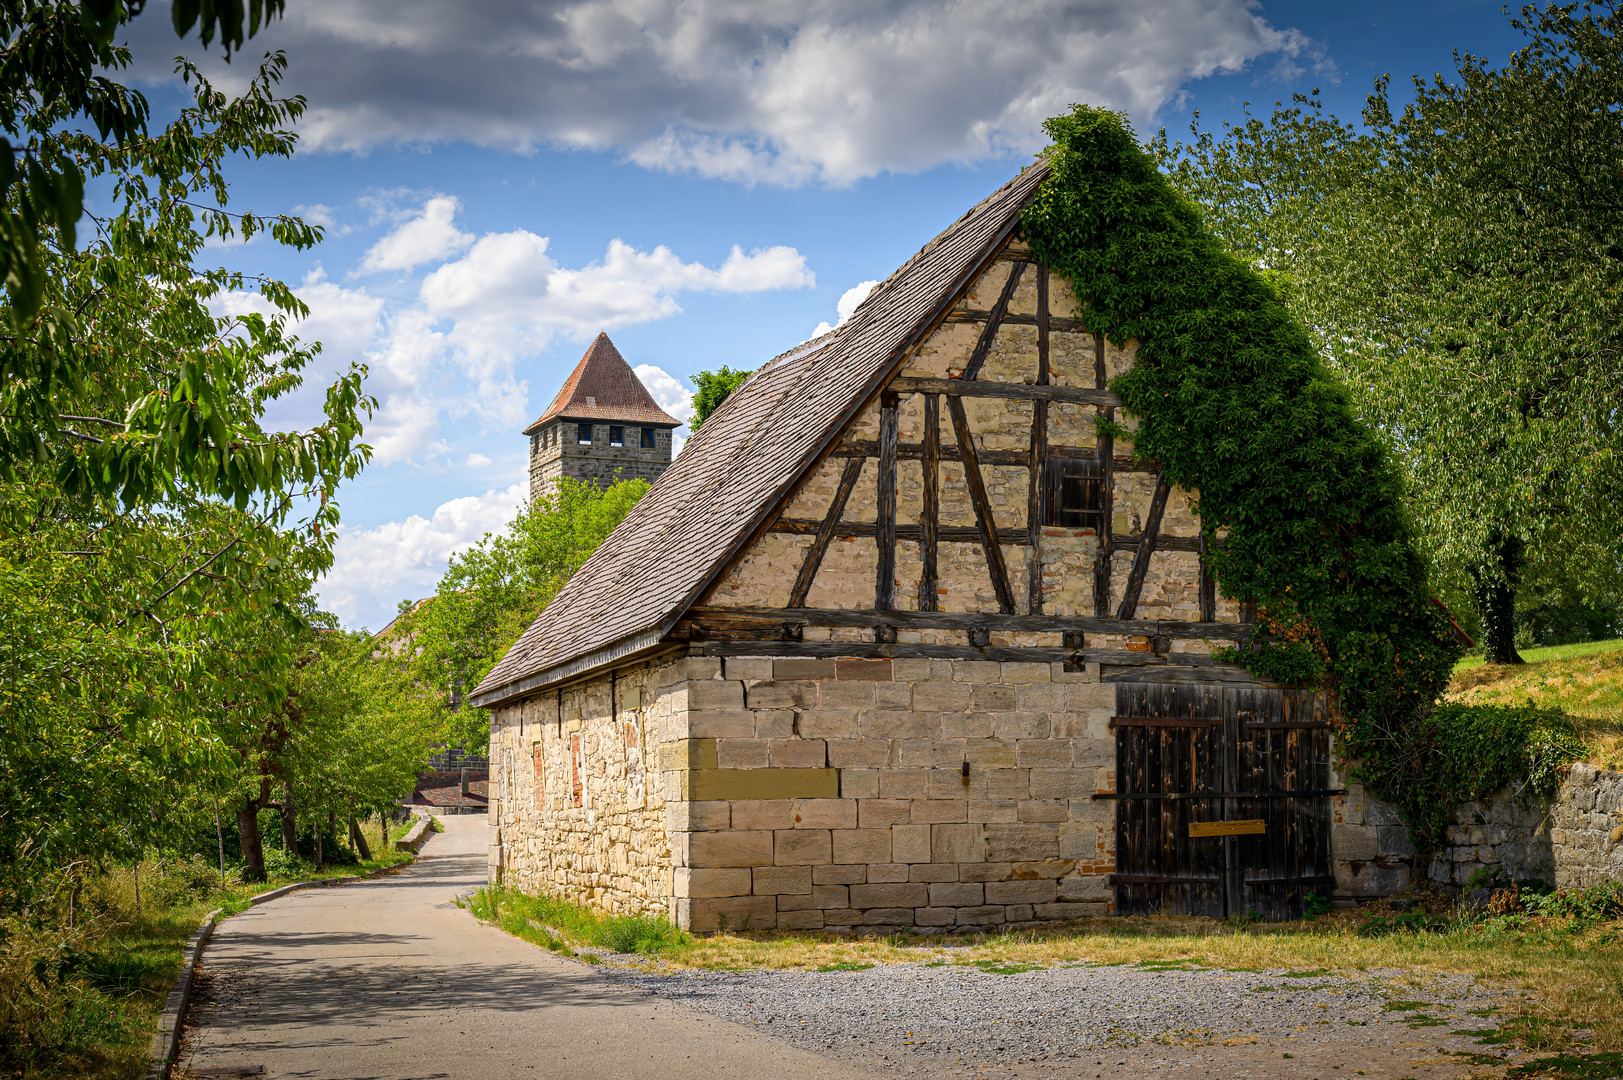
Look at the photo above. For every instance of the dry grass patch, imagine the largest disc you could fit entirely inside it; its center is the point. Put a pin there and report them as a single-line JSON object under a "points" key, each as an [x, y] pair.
{"points": [[1585, 681]]}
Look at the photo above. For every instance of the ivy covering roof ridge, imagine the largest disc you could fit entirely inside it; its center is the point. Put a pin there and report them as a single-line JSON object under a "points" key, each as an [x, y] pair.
{"points": [[1235, 404]]}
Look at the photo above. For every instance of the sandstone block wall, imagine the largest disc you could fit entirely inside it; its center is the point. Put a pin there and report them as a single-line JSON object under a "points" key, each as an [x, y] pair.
{"points": [[577, 809], [884, 793]]}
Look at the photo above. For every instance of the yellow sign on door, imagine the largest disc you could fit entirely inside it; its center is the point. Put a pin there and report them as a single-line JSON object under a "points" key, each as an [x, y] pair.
{"points": [[1227, 828]]}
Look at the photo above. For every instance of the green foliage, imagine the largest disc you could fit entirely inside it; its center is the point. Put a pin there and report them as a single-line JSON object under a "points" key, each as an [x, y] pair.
{"points": [[1233, 401], [494, 590], [540, 918], [55, 73], [1584, 907], [1461, 753], [714, 388], [1457, 262]]}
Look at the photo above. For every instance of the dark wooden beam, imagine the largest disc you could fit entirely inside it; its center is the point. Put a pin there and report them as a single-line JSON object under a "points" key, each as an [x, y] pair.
{"points": [[983, 506], [846, 530], [885, 534], [1146, 548], [1182, 672], [1016, 391], [930, 519], [1107, 487], [900, 650], [825, 533], [1057, 323], [915, 452], [1208, 585], [969, 620], [1037, 492], [983, 346]]}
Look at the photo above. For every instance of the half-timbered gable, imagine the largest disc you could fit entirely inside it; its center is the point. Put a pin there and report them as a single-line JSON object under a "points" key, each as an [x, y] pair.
{"points": [[908, 636]]}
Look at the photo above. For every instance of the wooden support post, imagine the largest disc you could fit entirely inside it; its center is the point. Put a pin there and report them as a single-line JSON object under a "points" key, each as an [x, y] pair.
{"points": [[1208, 585], [885, 531], [1106, 449], [983, 506], [930, 519], [972, 370], [1146, 548], [1037, 494], [825, 533]]}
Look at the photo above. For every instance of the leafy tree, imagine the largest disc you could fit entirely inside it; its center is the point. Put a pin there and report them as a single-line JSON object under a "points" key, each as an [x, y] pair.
{"points": [[54, 73], [157, 542], [494, 590], [1458, 262], [714, 388]]}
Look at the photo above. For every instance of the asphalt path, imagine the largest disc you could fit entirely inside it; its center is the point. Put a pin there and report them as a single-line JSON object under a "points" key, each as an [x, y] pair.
{"points": [[388, 979]]}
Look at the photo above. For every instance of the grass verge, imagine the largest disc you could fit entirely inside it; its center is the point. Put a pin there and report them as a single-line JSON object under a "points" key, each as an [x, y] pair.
{"points": [[1565, 974], [1585, 681], [84, 1002], [564, 927]]}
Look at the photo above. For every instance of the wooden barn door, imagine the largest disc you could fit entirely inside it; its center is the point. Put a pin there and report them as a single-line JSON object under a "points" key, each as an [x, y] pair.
{"points": [[1223, 800]]}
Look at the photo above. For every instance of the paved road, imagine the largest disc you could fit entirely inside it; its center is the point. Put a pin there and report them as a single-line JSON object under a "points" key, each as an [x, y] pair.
{"points": [[389, 980]]}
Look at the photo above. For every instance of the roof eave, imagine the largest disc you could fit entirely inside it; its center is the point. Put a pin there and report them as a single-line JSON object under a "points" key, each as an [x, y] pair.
{"points": [[631, 647]]}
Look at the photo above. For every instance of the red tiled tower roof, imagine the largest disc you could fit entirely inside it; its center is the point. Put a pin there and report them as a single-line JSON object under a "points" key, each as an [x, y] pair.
{"points": [[603, 387]]}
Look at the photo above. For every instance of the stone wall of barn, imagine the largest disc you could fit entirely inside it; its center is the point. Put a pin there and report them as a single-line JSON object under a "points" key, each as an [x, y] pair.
{"points": [[578, 809], [882, 793]]}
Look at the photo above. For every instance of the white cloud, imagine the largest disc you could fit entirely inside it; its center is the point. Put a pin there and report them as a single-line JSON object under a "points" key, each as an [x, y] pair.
{"points": [[782, 91], [509, 297], [669, 394], [403, 560], [431, 236], [849, 300], [476, 461]]}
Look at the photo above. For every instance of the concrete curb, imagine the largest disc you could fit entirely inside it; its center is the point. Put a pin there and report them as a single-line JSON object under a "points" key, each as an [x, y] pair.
{"points": [[417, 836], [166, 1040]]}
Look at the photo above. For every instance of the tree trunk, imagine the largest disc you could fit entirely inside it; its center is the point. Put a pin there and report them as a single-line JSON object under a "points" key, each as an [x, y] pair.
{"points": [[359, 838], [321, 855], [290, 821], [253, 850], [1495, 596]]}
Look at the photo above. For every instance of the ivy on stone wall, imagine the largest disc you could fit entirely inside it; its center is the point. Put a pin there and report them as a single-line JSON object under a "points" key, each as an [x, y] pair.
{"points": [[1233, 402]]}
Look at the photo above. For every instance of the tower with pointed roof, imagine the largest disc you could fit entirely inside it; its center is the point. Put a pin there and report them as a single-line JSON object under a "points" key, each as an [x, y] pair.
{"points": [[603, 426]]}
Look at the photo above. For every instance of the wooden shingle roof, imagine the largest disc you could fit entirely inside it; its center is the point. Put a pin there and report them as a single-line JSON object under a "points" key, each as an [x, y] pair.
{"points": [[603, 387], [745, 460]]}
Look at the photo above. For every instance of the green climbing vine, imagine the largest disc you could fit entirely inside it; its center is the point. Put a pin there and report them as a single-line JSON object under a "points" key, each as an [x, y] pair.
{"points": [[1233, 402]]}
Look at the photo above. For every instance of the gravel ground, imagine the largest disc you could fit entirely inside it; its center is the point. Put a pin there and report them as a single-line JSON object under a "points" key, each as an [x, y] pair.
{"points": [[979, 1018]]}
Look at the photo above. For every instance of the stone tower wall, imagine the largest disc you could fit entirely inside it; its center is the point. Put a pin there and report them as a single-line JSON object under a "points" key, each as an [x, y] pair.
{"points": [[556, 453]]}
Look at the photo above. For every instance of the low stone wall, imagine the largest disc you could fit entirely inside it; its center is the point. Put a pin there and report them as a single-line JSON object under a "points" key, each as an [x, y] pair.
{"points": [[1574, 841]]}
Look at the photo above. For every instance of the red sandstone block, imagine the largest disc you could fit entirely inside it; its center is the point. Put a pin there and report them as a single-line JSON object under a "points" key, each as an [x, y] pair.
{"points": [[865, 670]]}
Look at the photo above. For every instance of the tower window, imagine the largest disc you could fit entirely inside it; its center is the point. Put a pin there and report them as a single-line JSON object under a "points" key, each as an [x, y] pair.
{"points": [[1076, 493], [585, 437], [647, 438], [617, 436]]}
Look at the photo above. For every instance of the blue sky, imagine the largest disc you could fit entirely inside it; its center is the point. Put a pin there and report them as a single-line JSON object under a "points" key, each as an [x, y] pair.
{"points": [[704, 180]]}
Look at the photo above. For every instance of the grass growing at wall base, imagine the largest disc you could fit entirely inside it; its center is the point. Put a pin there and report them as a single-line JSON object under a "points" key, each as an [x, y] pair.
{"points": [[564, 926]]}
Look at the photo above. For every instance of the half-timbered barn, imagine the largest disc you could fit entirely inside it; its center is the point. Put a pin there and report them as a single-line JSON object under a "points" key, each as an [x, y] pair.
{"points": [[905, 637]]}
